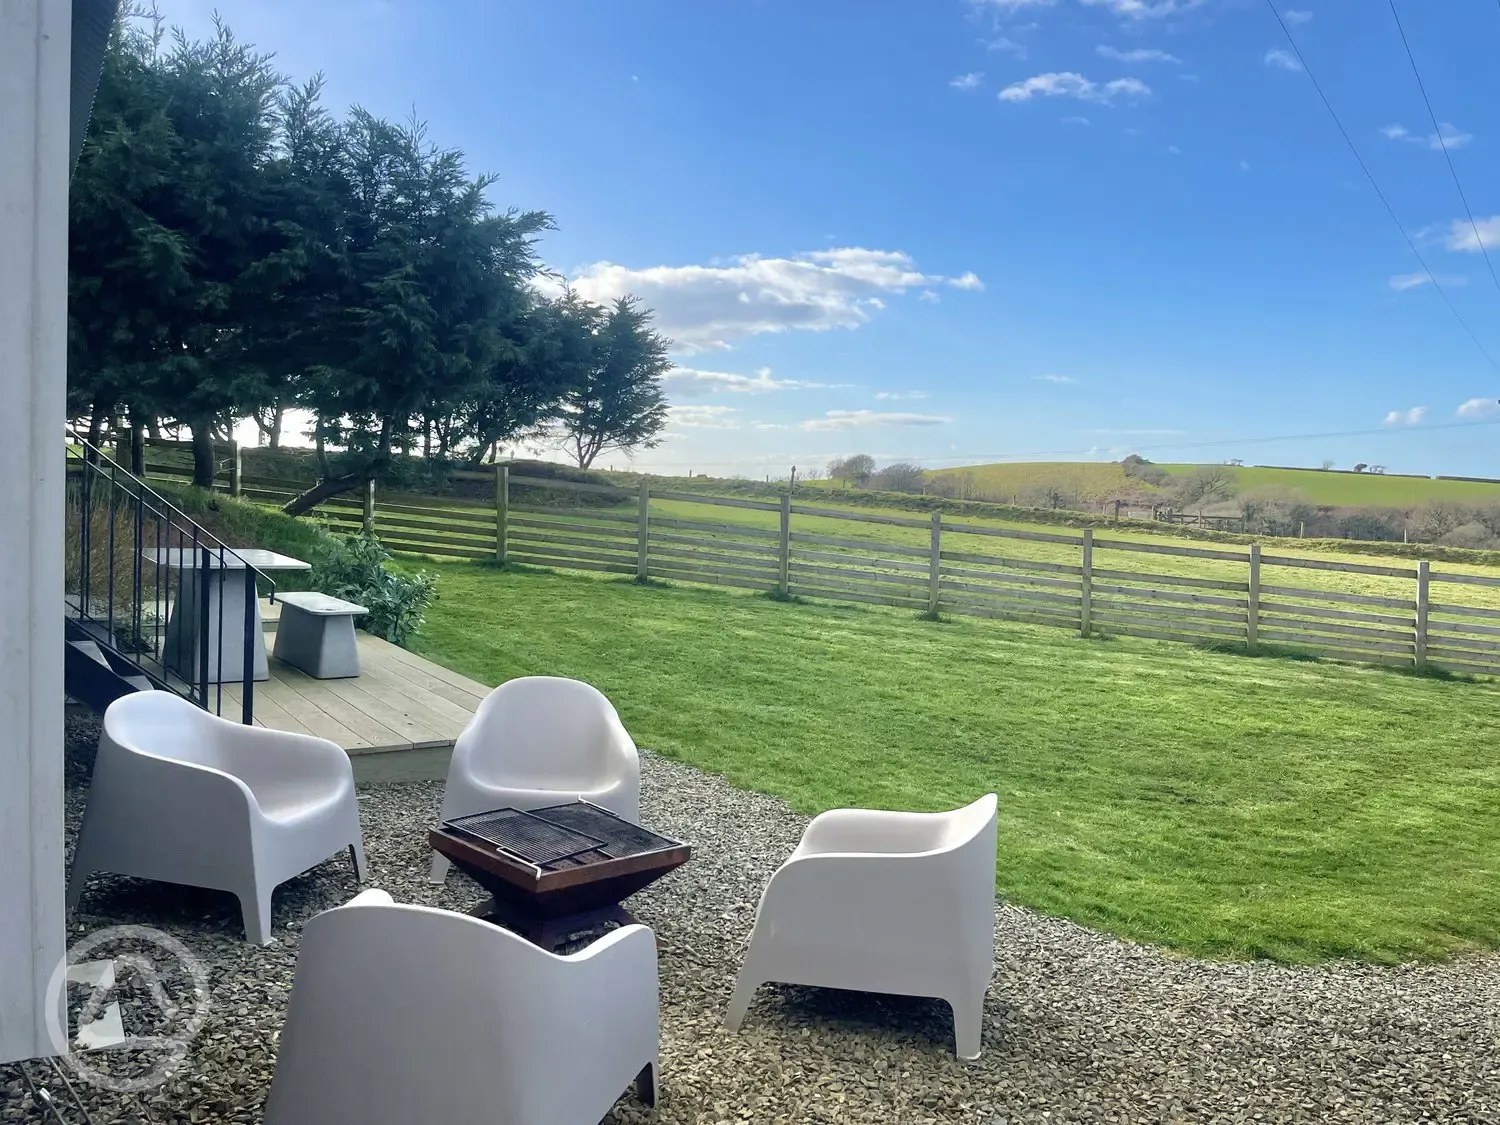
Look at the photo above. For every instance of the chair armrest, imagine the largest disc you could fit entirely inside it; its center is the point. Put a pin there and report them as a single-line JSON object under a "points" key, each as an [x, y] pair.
{"points": [[871, 831], [259, 752], [372, 896]]}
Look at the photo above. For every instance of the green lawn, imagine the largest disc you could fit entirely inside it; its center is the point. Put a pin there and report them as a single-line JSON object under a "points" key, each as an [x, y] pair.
{"points": [[1219, 804]]}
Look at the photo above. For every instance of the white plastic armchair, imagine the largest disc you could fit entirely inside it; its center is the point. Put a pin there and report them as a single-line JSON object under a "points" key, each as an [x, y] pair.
{"points": [[538, 741], [891, 902], [400, 1014], [187, 797]]}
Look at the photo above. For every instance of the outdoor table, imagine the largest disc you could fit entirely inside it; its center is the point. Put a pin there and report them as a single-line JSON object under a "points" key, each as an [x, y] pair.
{"points": [[226, 577], [556, 872]]}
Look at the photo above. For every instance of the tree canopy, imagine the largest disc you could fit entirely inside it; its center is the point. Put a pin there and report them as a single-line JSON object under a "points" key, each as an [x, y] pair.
{"points": [[237, 250]]}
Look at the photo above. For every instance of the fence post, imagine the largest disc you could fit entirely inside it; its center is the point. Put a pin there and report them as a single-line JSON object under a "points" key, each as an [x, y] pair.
{"points": [[236, 470], [784, 563], [1086, 585], [935, 563], [643, 532], [502, 513], [1424, 577], [1252, 603], [368, 518]]}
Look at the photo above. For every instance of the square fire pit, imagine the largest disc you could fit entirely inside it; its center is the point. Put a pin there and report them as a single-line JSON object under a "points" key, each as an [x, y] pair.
{"points": [[559, 871]]}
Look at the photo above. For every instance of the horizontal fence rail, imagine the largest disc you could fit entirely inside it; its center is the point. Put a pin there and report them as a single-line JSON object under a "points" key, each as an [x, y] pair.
{"points": [[1240, 598]]}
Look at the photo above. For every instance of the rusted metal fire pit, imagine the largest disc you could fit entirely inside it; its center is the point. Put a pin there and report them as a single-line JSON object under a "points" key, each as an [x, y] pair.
{"points": [[556, 872]]}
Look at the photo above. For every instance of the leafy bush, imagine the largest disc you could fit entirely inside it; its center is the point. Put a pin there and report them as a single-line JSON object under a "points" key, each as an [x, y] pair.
{"points": [[353, 568]]}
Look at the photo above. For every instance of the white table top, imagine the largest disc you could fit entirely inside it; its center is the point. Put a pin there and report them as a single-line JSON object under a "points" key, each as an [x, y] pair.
{"points": [[234, 558]]}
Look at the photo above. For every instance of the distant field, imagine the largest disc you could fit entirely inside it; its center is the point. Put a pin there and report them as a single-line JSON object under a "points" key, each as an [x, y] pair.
{"points": [[1362, 489], [1096, 482]]}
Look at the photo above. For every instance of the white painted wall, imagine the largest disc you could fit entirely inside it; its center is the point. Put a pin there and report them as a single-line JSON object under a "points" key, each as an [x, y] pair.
{"points": [[34, 99]]}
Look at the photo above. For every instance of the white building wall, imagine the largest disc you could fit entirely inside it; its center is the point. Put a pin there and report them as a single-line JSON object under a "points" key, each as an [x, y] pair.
{"points": [[34, 104]]}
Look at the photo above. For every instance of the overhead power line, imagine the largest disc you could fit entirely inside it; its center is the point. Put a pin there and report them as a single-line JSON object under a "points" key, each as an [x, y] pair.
{"points": [[1363, 167], [1442, 143]]}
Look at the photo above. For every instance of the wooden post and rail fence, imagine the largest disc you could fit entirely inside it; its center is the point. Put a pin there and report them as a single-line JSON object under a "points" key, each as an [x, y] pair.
{"points": [[1081, 581]]}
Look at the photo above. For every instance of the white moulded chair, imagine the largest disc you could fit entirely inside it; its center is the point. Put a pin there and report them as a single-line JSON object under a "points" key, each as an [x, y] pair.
{"points": [[404, 1014], [538, 741], [892, 902], [187, 797]]}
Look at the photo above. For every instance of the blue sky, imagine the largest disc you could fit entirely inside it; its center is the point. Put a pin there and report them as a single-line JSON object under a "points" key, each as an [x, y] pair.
{"points": [[971, 230]]}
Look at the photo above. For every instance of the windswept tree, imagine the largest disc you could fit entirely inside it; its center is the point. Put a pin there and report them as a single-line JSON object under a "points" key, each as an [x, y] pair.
{"points": [[1206, 486], [433, 274], [615, 362]]}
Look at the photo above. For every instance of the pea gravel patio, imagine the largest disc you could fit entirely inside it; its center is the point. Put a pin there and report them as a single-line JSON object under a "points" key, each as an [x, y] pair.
{"points": [[1080, 1027]]}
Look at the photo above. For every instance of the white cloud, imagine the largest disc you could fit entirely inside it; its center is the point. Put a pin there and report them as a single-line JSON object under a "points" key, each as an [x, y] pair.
{"points": [[1296, 17], [1462, 235], [1008, 46], [1448, 136], [1281, 60], [1401, 282], [1479, 408], [1410, 417], [930, 296], [1136, 55], [970, 81], [1071, 84], [896, 396], [1075, 120], [1174, 150], [692, 382], [1144, 9], [866, 419], [1012, 5], [699, 417], [705, 307], [1054, 379]]}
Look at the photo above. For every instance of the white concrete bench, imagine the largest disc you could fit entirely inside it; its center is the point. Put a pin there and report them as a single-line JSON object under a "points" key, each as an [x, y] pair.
{"points": [[316, 634]]}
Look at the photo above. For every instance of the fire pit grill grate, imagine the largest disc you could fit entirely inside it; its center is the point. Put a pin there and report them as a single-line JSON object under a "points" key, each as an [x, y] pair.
{"points": [[619, 838], [527, 836]]}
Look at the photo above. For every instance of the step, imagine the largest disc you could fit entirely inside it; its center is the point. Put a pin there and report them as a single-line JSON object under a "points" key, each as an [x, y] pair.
{"points": [[92, 650]]}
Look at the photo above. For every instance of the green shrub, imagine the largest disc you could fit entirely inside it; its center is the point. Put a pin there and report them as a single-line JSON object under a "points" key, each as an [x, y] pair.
{"points": [[354, 568]]}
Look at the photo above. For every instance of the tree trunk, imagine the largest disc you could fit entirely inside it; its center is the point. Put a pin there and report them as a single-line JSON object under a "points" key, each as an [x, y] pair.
{"points": [[203, 452], [153, 427], [137, 446], [274, 438], [335, 486], [426, 436]]}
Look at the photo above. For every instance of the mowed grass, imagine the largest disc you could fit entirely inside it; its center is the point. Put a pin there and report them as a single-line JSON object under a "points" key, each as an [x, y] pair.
{"points": [[1221, 805]]}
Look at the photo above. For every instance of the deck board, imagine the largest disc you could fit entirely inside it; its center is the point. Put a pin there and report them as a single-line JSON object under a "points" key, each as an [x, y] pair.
{"points": [[399, 701]]}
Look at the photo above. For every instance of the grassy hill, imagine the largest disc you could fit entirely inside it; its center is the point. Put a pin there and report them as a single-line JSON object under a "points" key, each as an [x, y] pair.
{"points": [[1096, 482]]}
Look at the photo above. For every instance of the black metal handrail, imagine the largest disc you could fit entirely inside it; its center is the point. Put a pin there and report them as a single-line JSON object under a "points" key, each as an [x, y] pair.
{"points": [[172, 561]]}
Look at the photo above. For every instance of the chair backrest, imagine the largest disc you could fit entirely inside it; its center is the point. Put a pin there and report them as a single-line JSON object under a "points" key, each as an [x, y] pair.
{"points": [[163, 725], [542, 732], [968, 824], [408, 1013]]}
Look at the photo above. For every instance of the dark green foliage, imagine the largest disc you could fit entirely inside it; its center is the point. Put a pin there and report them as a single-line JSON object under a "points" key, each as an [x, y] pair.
{"points": [[615, 362], [353, 568]]}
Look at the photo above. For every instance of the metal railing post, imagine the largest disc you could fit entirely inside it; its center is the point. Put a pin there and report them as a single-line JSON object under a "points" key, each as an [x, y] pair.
{"points": [[201, 562], [247, 683]]}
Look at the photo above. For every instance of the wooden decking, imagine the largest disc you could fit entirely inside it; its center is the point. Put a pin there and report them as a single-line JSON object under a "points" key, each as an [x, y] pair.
{"points": [[399, 701]]}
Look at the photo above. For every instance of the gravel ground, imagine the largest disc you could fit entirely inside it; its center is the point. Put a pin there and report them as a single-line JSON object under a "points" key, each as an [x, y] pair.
{"points": [[1080, 1026]]}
